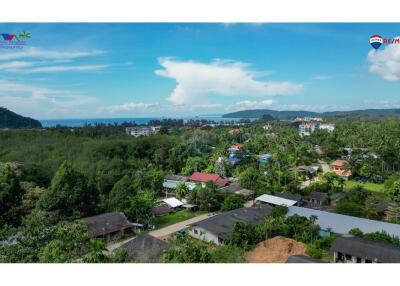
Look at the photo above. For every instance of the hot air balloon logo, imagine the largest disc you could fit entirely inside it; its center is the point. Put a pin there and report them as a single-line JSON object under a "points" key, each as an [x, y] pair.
{"points": [[375, 41]]}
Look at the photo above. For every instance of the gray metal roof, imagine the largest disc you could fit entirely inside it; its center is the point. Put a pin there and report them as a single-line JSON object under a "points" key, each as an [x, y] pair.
{"points": [[302, 259], [342, 224], [222, 225], [289, 196], [363, 248], [106, 223], [176, 178], [236, 188], [318, 196], [145, 248]]}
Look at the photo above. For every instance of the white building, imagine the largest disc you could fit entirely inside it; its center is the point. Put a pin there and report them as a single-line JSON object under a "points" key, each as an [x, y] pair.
{"points": [[327, 127], [137, 131], [306, 128]]}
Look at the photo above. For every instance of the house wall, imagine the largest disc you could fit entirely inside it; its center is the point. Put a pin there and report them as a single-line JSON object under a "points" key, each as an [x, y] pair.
{"points": [[341, 257], [202, 234]]}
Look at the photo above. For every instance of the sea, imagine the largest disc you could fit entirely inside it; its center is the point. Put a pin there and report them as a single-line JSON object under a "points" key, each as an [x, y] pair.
{"points": [[138, 120]]}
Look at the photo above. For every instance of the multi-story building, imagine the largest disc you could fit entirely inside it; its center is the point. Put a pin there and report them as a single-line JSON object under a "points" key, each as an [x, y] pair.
{"points": [[137, 131]]}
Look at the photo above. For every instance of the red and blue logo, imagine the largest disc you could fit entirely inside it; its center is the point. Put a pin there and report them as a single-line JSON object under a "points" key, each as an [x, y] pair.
{"points": [[376, 41], [8, 37]]}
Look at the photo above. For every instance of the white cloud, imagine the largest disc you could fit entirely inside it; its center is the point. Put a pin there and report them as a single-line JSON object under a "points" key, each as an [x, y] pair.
{"points": [[249, 104], [58, 68], [38, 53], [131, 106], [386, 62], [322, 77], [41, 101], [195, 81], [16, 65]]}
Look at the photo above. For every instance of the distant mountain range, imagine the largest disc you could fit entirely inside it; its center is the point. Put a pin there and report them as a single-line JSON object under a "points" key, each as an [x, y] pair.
{"points": [[9, 119], [288, 114]]}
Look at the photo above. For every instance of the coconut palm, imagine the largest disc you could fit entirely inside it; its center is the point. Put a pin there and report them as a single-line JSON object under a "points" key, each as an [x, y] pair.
{"points": [[24, 35]]}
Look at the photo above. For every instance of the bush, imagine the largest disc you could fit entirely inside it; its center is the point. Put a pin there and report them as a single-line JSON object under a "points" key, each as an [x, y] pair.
{"points": [[313, 251], [232, 202]]}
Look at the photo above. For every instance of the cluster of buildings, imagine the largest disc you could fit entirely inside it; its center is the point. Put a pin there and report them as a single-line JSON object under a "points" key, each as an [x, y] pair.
{"points": [[137, 131], [308, 125]]}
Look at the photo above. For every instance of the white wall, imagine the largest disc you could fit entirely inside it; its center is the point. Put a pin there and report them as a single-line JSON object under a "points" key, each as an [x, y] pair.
{"points": [[203, 234]]}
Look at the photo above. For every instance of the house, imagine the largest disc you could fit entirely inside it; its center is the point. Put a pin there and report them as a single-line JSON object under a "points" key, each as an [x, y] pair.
{"points": [[234, 131], [236, 188], [174, 203], [138, 131], [307, 170], [335, 198], [267, 127], [306, 128], [317, 198], [109, 225], [145, 249], [172, 181], [302, 259], [203, 178], [275, 201], [342, 169], [360, 250], [294, 197], [233, 151], [328, 127], [342, 224], [162, 209], [264, 158], [219, 227]]}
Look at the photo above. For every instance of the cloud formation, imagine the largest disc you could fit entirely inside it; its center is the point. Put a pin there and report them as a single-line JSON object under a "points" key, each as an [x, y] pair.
{"points": [[386, 62], [39, 53], [130, 106], [220, 77]]}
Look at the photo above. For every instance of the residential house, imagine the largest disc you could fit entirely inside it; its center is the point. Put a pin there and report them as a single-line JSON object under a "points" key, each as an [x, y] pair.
{"points": [[234, 131], [327, 126], [308, 171], [302, 259], [275, 201], [289, 196], [361, 250], [234, 156], [138, 131], [109, 225], [174, 203], [342, 224], [145, 249], [219, 227], [172, 181], [162, 209], [203, 178], [236, 188], [317, 198], [342, 169]]}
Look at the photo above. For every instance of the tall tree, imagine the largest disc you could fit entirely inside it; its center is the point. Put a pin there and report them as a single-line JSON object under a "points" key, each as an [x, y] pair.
{"points": [[70, 193]]}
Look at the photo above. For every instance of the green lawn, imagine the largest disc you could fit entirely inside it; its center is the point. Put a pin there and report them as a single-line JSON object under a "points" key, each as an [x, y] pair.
{"points": [[373, 187], [176, 217]]}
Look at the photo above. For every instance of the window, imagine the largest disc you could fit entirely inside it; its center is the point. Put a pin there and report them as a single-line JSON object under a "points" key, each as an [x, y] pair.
{"points": [[358, 259], [368, 261], [195, 231], [348, 257]]}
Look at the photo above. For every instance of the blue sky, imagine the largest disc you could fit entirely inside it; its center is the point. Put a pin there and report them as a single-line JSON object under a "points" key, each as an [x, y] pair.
{"points": [[139, 70]]}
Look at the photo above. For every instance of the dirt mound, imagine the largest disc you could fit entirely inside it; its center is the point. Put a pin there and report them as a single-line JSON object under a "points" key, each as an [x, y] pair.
{"points": [[275, 250]]}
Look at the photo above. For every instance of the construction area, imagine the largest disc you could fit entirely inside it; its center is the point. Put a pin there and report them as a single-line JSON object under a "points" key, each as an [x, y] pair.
{"points": [[275, 250]]}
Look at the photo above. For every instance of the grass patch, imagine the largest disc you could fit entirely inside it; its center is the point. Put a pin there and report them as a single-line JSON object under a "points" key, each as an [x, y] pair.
{"points": [[176, 217], [373, 187]]}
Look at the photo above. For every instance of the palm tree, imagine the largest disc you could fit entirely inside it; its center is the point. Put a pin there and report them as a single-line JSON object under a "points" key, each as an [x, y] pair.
{"points": [[24, 35]]}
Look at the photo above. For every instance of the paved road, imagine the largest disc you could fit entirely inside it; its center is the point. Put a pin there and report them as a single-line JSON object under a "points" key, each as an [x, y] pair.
{"points": [[165, 231], [168, 230]]}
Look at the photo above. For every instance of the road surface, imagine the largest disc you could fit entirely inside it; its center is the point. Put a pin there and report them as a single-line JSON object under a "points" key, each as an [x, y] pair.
{"points": [[168, 230]]}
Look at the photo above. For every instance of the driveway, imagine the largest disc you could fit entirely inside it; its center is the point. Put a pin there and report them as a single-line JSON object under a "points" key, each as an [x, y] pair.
{"points": [[168, 230]]}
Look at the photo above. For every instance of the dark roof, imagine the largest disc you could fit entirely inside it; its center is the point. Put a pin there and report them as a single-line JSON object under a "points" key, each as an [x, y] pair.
{"points": [[318, 196], [106, 223], [302, 259], [372, 250], [145, 248], [236, 188], [162, 209], [289, 196], [222, 225], [306, 169], [176, 178], [338, 196]]}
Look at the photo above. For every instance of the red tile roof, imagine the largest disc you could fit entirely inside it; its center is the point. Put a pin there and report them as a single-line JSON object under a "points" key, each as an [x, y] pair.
{"points": [[204, 178], [340, 163], [237, 145]]}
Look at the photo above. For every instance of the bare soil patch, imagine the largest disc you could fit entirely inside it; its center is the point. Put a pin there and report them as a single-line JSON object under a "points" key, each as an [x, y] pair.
{"points": [[275, 250]]}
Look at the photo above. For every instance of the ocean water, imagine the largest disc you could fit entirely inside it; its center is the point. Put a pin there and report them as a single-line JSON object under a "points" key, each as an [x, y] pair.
{"points": [[138, 120]]}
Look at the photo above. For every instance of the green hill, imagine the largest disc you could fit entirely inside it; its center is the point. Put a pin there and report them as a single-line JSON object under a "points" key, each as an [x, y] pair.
{"points": [[9, 119]]}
